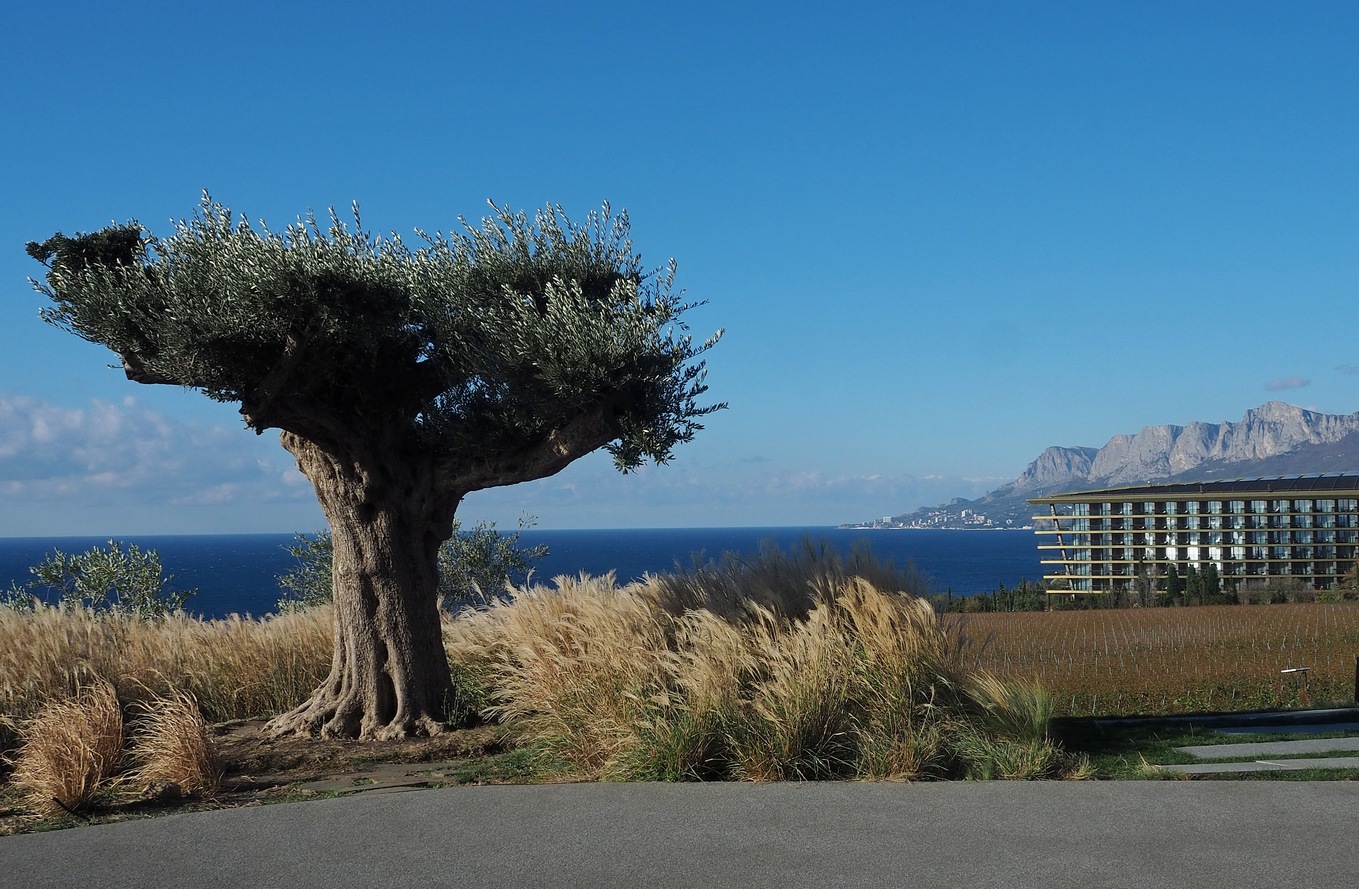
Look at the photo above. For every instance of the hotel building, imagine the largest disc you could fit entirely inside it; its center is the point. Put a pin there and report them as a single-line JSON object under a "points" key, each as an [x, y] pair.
{"points": [[1304, 527]]}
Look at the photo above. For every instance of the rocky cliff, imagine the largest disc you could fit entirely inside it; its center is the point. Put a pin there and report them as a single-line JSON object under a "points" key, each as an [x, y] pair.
{"points": [[1273, 439], [1165, 452]]}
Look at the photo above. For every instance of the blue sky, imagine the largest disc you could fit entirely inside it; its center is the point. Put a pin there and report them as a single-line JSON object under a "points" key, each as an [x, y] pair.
{"points": [[941, 237]]}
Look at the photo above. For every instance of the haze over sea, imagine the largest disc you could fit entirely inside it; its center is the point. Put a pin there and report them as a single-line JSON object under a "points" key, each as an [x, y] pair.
{"points": [[237, 572]]}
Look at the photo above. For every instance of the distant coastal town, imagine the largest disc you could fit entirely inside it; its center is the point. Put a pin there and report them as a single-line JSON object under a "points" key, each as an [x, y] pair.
{"points": [[947, 517]]}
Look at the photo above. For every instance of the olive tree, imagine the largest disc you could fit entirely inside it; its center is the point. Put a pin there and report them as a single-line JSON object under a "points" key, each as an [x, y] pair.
{"points": [[401, 379]]}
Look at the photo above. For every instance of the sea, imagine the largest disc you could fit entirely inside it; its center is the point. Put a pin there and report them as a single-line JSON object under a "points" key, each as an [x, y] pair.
{"points": [[238, 573]]}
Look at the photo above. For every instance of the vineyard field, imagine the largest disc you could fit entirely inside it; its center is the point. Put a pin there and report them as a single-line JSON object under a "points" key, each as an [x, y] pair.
{"points": [[1173, 660]]}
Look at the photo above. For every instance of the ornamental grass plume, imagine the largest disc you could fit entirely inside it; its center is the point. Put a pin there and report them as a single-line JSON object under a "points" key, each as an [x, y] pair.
{"points": [[70, 750], [821, 674], [577, 668], [793, 721], [171, 748], [906, 686]]}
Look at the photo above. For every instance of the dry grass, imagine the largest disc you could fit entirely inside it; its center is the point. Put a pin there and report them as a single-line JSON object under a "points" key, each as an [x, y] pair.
{"points": [[647, 682], [170, 746], [1173, 660], [71, 747], [235, 668], [830, 668]]}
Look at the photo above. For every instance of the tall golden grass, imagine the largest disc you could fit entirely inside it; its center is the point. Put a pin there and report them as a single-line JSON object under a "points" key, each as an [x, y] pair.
{"points": [[821, 674], [234, 668], [1173, 660], [71, 747], [780, 666], [171, 747]]}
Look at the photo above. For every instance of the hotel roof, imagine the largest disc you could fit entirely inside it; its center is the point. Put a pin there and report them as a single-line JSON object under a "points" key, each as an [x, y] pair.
{"points": [[1323, 483]]}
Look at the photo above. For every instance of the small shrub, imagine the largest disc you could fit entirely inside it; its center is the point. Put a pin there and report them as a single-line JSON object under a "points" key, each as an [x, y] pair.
{"points": [[170, 746], [474, 566], [788, 584], [1010, 707], [986, 756], [119, 578], [71, 749]]}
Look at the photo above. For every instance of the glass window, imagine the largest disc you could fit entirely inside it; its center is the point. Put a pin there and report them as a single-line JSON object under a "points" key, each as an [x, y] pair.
{"points": [[1259, 506], [1214, 507], [1191, 506], [1325, 506], [1302, 506], [1172, 507], [1281, 505], [1236, 506]]}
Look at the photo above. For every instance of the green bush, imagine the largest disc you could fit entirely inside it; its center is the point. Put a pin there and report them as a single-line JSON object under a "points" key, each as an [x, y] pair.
{"points": [[119, 577], [474, 566]]}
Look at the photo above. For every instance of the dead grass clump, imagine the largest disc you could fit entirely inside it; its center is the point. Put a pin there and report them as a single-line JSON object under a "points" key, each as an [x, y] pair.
{"points": [[172, 750], [70, 749]]}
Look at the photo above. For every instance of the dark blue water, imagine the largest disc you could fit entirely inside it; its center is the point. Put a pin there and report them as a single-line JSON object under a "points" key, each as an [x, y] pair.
{"points": [[238, 572]]}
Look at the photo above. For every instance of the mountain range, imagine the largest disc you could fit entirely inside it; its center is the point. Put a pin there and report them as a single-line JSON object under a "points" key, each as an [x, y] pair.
{"points": [[1273, 439]]}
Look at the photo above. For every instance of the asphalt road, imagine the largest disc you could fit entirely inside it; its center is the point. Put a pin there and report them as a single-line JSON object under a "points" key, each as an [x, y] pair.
{"points": [[1125, 834]]}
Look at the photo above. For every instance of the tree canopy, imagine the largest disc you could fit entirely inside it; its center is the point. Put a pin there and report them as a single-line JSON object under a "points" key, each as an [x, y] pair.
{"points": [[401, 379], [476, 346]]}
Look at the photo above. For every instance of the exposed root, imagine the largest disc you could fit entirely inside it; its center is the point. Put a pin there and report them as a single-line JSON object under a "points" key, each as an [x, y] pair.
{"points": [[322, 717]]}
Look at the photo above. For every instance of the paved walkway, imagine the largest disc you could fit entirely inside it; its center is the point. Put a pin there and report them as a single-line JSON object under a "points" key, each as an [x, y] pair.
{"points": [[1273, 748], [973, 835], [1265, 753]]}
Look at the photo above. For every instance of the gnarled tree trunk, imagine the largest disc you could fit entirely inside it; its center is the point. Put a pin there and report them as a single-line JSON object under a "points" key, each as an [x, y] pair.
{"points": [[390, 675]]}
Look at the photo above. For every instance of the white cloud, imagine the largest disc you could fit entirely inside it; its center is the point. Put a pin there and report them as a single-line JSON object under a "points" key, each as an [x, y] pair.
{"points": [[103, 454], [1287, 383], [121, 467]]}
